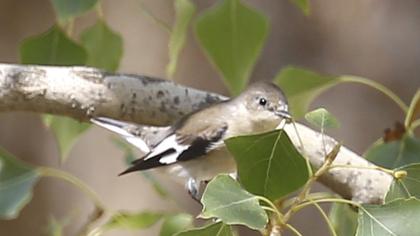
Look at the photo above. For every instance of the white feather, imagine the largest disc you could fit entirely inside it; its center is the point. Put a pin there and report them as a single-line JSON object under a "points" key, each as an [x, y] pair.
{"points": [[116, 127], [168, 143]]}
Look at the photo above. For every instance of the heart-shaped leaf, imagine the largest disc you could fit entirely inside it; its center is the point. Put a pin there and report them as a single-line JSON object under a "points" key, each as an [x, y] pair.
{"points": [[268, 164], [225, 199], [184, 11], [176, 223], [396, 153], [232, 34], [399, 217], [321, 118], [104, 46], [52, 48], [16, 182], [217, 229], [302, 87]]}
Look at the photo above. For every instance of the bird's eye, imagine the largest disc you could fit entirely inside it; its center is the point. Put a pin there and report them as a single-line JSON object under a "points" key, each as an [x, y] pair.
{"points": [[263, 101]]}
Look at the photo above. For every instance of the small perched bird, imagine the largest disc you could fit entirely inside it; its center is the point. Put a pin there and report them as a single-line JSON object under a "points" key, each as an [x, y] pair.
{"points": [[193, 148]]}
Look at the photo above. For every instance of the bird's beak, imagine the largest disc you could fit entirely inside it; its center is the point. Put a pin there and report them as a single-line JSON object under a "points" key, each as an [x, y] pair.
{"points": [[284, 114]]}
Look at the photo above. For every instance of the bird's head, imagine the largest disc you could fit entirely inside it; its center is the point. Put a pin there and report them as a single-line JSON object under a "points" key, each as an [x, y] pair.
{"points": [[266, 104]]}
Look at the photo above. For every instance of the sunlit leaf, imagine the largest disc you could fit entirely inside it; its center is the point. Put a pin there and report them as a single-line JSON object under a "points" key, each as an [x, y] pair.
{"points": [[176, 223], [225, 199], [396, 153], [66, 131], [16, 182], [302, 86], [67, 9], [52, 48], [407, 186], [184, 11], [268, 164], [104, 46], [217, 229], [232, 34], [140, 220], [321, 118], [399, 217], [344, 219], [413, 110], [303, 5]]}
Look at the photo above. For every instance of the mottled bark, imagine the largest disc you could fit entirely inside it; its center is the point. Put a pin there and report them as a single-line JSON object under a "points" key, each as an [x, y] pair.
{"points": [[82, 92]]}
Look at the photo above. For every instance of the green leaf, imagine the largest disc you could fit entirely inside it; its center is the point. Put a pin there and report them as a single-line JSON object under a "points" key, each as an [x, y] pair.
{"points": [[67, 9], [266, 161], [407, 186], [16, 182], [321, 118], [232, 34], [413, 110], [302, 87], [344, 219], [225, 199], [184, 11], [104, 46], [176, 223], [141, 220], [303, 5], [399, 217], [66, 131], [52, 48], [217, 229], [396, 153]]}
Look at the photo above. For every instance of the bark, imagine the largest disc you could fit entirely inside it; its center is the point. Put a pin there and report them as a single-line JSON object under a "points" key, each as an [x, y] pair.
{"points": [[82, 93]]}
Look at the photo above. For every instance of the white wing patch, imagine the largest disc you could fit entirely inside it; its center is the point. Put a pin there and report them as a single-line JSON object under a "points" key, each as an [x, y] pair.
{"points": [[117, 127], [168, 143]]}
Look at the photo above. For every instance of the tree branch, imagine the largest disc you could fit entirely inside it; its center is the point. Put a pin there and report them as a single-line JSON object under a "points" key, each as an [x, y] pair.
{"points": [[82, 92]]}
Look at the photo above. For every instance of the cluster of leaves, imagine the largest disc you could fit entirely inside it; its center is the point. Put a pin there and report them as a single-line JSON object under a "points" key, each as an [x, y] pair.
{"points": [[259, 201]]}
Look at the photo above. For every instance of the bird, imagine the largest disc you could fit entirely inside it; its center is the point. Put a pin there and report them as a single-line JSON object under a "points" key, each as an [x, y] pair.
{"points": [[192, 148]]}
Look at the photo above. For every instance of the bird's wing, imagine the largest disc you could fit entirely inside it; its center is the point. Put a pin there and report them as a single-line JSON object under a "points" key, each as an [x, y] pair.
{"points": [[130, 132], [181, 147]]}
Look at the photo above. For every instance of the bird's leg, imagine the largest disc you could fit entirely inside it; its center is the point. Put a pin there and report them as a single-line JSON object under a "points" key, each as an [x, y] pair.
{"points": [[193, 188]]}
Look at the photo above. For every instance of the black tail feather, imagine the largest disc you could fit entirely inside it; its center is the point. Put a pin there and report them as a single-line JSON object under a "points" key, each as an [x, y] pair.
{"points": [[148, 163]]}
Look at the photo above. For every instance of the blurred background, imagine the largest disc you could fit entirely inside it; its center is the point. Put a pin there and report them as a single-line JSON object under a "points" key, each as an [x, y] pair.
{"points": [[376, 39]]}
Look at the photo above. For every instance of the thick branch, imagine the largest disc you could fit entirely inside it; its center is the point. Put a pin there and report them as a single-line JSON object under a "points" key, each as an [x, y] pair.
{"points": [[82, 92]]}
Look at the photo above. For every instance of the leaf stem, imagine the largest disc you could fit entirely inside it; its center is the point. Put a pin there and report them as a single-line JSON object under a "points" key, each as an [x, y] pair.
{"points": [[51, 172], [415, 124], [272, 207], [324, 215], [377, 86], [293, 229], [326, 200]]}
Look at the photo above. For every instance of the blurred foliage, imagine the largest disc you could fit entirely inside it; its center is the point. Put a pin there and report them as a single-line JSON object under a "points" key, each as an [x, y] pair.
{"points": [[104, 46], [68, 9], [176, 223], [184, 12], [344, 219], [140, 220], [53, 47], [232, 34], [321, 118], [16, 182]]}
